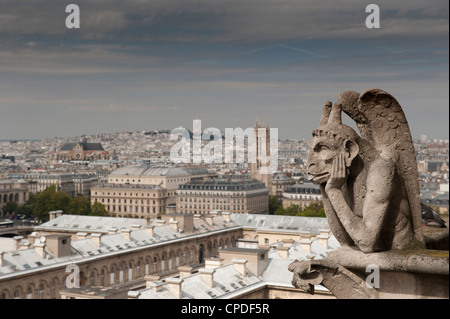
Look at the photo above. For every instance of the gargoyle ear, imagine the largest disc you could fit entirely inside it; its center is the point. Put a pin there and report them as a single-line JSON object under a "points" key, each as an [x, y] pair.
{"points": [[352, 149]]}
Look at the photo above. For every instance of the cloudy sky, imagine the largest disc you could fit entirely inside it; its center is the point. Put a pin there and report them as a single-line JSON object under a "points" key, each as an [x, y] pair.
{"points": [[159, 64]]}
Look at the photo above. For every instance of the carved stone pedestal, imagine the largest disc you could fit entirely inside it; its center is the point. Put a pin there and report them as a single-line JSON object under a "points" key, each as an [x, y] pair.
{"points": [[351, 274]]}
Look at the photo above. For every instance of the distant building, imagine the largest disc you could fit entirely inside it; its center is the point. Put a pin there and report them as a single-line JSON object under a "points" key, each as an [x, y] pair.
{"points": [[261, 142], [167, 177], [11, 190], [301, 195], [139, 201], [71, 184], [279, 183], [81, 151], [235, 196]]}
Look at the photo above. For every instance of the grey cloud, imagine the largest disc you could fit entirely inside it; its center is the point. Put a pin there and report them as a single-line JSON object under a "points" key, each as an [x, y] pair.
{"points": [[222, 21]]}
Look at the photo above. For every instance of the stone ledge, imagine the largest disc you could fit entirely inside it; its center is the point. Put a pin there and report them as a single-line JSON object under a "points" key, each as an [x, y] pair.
{"points": [[425, 261]]}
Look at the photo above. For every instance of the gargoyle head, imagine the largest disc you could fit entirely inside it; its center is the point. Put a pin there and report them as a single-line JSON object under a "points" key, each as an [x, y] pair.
{"points": [[329, 140]]}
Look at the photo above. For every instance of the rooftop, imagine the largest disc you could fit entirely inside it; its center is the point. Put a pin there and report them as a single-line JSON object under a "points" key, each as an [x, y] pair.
{"points": [[145, 170], [224, 184]]}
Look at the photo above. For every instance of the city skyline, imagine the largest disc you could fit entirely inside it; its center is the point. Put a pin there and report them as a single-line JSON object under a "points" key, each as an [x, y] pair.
{"points": [[147, 66]]}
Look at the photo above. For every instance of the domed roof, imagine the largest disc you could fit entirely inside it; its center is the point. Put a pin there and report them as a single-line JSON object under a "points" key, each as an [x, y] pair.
{"points": [[158, 171]]}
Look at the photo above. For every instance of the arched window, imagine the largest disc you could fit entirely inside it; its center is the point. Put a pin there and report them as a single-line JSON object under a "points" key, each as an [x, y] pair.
{"points": [[170, 261], [130, 271], [191, 255], [41, 291], [147, 266], [92, 279], [200, 254], [121, 281], [163, 259], [111, 276], [138, 269], [53, 290], [102, 278], [155, 264], [29, 293]]}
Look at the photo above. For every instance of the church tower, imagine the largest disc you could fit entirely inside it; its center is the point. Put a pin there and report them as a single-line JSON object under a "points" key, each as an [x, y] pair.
{"points": [[261, 137]]}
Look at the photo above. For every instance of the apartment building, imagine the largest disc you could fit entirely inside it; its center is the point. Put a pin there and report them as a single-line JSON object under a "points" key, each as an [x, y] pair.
{"points": [[235, 196], [138, 200], [301, 195]]}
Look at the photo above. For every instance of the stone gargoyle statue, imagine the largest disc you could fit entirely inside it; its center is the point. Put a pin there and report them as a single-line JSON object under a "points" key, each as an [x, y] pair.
{"points": [[369, 182]]}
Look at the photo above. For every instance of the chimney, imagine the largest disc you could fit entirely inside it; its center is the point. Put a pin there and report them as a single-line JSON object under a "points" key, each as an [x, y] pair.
{"points": [[97, 239], [112, 231], [52, 215], [323, 237], [59, 245], [226, 216], [150, 230], [213, 262], [59, 213], [25, 245], [209, 220], [156, 286], [174, 286], [174, 225], [149, 279], [283, 251], [126, 233], [17, 240], [33, 237], [1, 258], [305, 244], [133, 294], [208, 276], [135, 227], [160, 222], [40, 249], [81, 235], [287, 242], [239, 266], [185, 271]]}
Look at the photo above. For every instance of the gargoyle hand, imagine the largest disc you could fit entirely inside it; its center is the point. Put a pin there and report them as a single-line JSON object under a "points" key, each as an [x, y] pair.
{"points": [[338, 174]]}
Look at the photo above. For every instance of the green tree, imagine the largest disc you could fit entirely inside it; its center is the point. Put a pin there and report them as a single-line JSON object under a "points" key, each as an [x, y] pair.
{"points": [[98, 209], [292, 210], [79, 205], [10, 207], [26, 210], [274, 204], [313, 210], [50, 200], [279, 211]]}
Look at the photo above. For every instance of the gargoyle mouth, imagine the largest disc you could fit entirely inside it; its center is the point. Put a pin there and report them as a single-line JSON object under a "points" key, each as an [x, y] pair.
{"points": [[318, 178]]}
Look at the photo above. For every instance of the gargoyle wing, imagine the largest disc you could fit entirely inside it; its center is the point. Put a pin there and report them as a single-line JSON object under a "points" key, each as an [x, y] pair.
{"points": [[382, 123]]}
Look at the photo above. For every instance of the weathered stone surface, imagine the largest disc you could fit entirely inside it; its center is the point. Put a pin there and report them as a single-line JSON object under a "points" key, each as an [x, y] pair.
{"points": [[402, 274]]}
